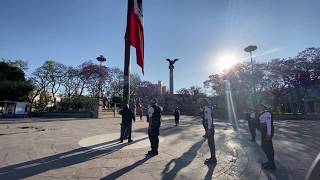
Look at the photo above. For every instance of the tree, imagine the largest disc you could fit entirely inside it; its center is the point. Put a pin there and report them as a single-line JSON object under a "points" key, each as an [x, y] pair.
{"points": [[195, 90], [278, 81], [93, 76], [272, 81], [303, 73], [183, 91], [135, 83], [76, 103], [117, 99], [216, 84], [40, 83], [312, 55], [21, 64], [42, 103], [115, 83], [13, 85], [55, 73], [72, 82]]}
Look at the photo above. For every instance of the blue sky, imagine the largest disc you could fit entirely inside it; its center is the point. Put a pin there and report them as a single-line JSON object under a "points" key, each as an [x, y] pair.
{"points": [[196, 32]]}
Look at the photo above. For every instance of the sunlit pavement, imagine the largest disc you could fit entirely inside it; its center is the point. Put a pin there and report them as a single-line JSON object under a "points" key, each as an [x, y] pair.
{"points": [[88, 149]]}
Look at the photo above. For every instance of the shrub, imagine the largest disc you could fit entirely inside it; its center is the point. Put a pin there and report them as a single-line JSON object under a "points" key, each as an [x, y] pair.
{"points": [[76, 103], [117, 99]]}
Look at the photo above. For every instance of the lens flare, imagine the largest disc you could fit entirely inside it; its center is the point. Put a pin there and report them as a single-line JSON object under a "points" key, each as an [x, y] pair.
{"points": [[225, 62], [232, 116]]}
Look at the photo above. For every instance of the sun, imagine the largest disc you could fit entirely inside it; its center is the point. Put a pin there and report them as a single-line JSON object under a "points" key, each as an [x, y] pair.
{"points": [[225, 62]]}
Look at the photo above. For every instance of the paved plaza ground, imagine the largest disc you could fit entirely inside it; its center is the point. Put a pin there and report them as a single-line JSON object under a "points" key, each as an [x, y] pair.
{"points": [[88, 149]]}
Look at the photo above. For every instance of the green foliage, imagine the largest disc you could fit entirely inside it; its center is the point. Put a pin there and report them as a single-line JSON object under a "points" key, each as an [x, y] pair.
{"points": [[76, 103], [10, 73], [44, 99], [117, 99], [13, 85], [23, 65]]}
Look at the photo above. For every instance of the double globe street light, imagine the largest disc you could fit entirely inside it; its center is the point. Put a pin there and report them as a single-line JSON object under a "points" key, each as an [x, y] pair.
{"points": [[250, 49], [101, 59]]}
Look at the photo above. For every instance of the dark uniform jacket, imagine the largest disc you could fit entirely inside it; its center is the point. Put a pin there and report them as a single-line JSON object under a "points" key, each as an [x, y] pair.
{"points": [[156, 116], [127, 116]]}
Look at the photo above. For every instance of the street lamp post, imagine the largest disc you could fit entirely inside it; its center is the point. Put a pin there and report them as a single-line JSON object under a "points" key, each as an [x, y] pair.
{"points": [[250, 49], [101, 59]]}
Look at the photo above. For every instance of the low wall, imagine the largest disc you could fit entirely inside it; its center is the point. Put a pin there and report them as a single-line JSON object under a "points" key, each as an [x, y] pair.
{"points": [[296, 116], [62, 114]]}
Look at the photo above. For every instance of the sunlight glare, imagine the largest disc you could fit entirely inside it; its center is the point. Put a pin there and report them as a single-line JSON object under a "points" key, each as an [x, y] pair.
{"points": [[225, 62]]}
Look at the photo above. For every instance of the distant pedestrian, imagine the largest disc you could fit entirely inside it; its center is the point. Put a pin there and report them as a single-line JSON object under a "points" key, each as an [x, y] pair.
{"points": [[267, 131], [176, 115], [252, 124], [154, 116], [126, 124], [140, 111], [209, 128]]}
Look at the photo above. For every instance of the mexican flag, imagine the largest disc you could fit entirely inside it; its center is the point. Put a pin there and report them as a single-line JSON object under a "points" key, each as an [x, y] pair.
{"points": [[136, 30]]}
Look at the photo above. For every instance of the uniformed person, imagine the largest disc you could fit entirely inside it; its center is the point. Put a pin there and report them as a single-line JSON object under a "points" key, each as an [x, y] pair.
{"points": [[209, 128], [154, 116], [126, 124], [267, 130]]}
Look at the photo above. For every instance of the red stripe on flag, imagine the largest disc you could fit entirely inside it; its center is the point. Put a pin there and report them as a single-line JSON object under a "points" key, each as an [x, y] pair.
{"points": [[137, 35]]}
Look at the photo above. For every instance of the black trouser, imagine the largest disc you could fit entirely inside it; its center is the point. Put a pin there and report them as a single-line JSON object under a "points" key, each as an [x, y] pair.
{"points": [[126, 131], [153, 133], [212, 147], [176, 119], [252, 128], [267, 145], [205, 126]]}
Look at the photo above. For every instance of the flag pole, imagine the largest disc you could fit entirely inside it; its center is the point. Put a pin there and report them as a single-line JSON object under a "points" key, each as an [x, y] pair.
{"points": [[126, 71]]}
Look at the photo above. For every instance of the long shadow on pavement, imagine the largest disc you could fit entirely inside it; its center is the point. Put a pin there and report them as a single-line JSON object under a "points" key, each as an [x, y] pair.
{"points": [[281, 173], [124, 170], [182, 162], [76, 156], [210, 172], [35, 120]]}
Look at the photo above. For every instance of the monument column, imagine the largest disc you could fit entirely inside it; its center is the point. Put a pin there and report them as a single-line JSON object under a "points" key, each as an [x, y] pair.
{"points": [[171, 79], [171, 67]]}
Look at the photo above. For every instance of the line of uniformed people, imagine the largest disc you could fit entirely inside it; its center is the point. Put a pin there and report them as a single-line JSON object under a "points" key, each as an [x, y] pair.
{"points": [[262, 120], [153, 118]]}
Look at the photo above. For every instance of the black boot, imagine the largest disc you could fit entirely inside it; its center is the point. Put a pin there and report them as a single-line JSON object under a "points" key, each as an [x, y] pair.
{"points": [[269, 166]]}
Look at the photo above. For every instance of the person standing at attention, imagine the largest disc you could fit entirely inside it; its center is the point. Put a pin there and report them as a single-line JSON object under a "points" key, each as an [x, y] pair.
{"points": [[154, 116], [267, 130], [126, 124], [209, 128]]}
